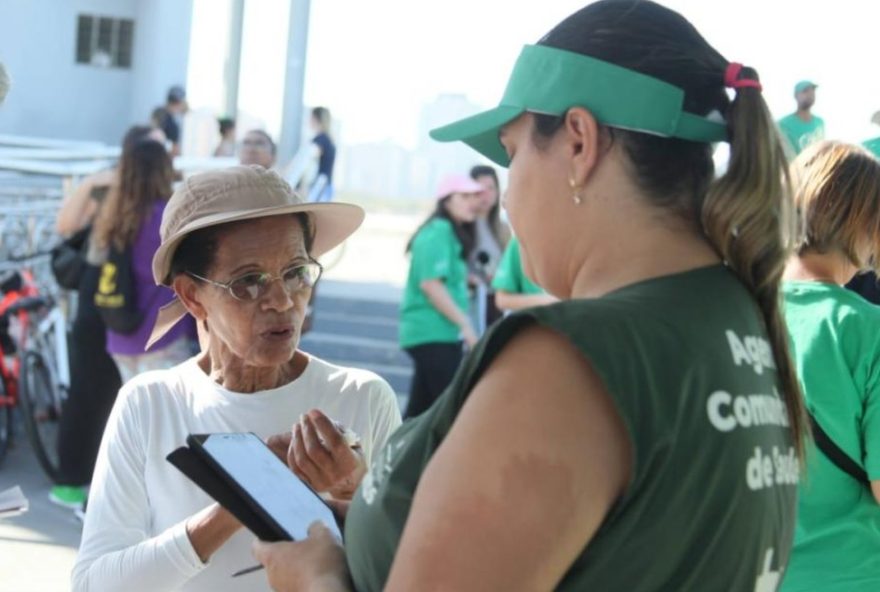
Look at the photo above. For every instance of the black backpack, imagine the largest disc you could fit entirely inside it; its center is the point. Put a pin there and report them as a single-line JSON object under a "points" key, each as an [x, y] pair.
{"points": [[68, 259], [115, 297]]}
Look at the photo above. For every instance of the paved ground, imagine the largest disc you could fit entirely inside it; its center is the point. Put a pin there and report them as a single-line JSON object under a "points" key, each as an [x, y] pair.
{"points": [[37, 549], [356, 324]]}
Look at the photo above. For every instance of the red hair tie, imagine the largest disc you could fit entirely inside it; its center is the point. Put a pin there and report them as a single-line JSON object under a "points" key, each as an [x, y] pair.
{"points": [[732, 80]]}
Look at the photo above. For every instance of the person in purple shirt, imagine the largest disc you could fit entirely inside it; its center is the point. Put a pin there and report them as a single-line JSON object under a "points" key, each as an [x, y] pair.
{"points": [[131, 218]]}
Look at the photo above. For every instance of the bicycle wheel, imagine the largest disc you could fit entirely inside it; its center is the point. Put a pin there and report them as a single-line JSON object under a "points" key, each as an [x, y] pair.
{"points": [[5, 423], [41, 410]]}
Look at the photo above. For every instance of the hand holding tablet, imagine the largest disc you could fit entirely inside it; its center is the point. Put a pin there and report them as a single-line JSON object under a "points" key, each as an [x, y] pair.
{"points": [[244, 476]]}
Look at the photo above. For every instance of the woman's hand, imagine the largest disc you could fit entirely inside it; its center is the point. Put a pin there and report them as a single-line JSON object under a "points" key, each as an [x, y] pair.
{"points": [[317, 563], [436, 292], [78, 208], [317, 452]]}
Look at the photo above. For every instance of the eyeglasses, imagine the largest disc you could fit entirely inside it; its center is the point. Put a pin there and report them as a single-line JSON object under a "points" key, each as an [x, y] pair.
{"points": [[253, 286]]}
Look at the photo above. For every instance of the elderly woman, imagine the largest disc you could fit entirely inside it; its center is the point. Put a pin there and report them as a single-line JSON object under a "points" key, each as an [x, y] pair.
{"points": [[238, 248]]}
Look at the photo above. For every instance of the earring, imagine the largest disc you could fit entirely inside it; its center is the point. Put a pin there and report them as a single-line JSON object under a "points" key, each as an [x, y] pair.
{"points": [[576, 195]]}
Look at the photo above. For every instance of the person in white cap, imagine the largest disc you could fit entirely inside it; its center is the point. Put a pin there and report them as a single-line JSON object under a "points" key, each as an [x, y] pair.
{"points": [[239, 248], [434, 317]]}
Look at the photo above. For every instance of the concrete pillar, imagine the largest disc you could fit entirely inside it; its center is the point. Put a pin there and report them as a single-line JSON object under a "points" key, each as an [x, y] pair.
{"points": [[233, 59], [294, 80]]}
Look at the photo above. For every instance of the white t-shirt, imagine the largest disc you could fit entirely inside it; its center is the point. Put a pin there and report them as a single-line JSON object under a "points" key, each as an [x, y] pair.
{"points": [[134, 536]]}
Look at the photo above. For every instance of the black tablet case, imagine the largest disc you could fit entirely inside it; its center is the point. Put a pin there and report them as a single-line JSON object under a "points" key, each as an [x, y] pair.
{"points": [[196, 464]]}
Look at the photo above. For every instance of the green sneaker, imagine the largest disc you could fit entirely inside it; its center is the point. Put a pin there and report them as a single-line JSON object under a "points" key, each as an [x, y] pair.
{"points": [[67, 496]]}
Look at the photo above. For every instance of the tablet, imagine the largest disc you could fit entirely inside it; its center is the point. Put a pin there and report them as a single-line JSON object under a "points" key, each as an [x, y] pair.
{"points": [[265, 483]]}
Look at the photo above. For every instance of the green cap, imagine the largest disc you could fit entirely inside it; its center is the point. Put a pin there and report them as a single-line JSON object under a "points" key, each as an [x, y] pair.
{"points": [[804, 85], [552, 81]]}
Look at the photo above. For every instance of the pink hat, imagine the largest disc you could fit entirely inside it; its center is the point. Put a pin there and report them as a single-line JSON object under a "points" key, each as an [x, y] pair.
{"points": [[457, 184]]}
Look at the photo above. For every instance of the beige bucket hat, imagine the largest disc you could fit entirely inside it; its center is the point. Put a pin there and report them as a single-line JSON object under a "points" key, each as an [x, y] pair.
{"points": [[238, 193]]}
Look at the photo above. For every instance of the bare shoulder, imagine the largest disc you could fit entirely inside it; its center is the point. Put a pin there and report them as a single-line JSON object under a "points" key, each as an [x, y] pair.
{"points": [[531, 466], [540, 379], [105, 177]]}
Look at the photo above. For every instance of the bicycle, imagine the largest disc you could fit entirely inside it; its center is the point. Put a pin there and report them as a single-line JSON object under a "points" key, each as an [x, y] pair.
{"points": [[38, 378]]}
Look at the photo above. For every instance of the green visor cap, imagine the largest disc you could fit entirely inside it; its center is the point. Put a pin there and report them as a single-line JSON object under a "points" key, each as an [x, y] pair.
{"points": [[552, 81]]}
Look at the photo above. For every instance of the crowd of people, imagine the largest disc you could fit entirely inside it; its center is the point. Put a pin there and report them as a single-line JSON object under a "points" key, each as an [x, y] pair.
{"points": [[655, 378], [114, 218]]}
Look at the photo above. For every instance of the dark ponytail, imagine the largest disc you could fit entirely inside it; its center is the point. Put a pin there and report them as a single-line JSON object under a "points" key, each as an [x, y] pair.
{"points": [[749, 217], [747, 214]]}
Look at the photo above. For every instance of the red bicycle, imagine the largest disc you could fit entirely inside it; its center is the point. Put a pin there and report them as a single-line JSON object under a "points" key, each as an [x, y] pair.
{"points": [[34, 371]]}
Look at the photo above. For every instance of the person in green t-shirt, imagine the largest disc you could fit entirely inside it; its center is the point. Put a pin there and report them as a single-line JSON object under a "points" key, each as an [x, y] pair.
{"points": [[835, 336], [513, 289], [873, 145], [434, 311], [644, 433], [802, 128]]}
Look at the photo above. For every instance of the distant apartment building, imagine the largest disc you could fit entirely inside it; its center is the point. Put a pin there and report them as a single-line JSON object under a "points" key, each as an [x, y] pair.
{"points": [[390, 170]]}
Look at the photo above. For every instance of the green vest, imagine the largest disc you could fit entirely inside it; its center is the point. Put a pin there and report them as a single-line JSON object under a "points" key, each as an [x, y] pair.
{"points": [[712, 500]]}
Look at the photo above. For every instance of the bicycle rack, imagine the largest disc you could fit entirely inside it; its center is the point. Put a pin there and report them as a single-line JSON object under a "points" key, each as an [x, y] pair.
{"points": [[27, 231]]}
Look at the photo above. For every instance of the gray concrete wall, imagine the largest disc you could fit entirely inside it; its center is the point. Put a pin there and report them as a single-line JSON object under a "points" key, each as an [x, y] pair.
{"points": [[161, 52], [53, 96]]}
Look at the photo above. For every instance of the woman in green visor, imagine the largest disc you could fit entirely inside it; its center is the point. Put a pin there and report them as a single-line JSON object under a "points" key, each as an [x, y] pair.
{"points": [[644, 433]]}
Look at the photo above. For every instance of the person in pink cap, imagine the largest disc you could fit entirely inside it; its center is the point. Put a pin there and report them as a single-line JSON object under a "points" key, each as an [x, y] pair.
{"points": [[434, 319]]}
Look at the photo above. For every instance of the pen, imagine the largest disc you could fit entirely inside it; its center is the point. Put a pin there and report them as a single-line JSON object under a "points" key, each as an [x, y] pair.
{"points": [[247, 570]]}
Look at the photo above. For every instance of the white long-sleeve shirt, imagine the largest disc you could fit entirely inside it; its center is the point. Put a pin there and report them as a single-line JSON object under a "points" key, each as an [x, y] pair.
{"points": [[134, 537]]}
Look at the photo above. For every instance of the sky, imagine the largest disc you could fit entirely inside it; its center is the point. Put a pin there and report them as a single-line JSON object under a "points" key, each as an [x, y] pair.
{"points": [[376, 63]]}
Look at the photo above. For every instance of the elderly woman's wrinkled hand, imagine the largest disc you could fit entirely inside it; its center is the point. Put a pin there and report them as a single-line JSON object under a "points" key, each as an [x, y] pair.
{"points": [[317, 452], [317, 563]]}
